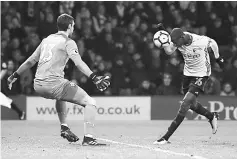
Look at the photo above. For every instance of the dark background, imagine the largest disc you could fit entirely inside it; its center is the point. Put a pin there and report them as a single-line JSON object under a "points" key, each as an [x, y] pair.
{"points": [[115, 38]]}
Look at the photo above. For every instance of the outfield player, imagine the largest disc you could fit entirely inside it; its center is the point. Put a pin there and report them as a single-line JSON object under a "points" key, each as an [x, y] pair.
{"points": [[197, 70], [52, 55], [4, 100]]}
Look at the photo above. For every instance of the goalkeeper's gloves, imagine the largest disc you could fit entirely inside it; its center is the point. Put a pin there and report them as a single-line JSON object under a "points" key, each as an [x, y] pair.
{"points": [[101, 82], [221, 62], [12, 79]]}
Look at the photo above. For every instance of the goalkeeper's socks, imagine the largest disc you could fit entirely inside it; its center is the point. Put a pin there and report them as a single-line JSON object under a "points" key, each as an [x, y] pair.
{"points": [[174, 125], [199, 109], [64, 127], [14, 107]]}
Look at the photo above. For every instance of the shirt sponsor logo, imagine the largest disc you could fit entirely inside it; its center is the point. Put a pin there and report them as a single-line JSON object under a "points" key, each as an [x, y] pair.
{"points": [[190, 56], [197, 49]]}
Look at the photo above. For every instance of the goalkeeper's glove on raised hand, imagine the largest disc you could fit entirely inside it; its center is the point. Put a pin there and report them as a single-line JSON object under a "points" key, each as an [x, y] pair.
{"points": [[12, 79], [101, 82]]}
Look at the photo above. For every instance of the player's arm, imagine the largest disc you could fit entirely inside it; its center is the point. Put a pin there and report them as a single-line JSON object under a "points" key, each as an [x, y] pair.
{"points": [[80, 64], [214, 47], [30, 62], [170, 49], [101, 82]]}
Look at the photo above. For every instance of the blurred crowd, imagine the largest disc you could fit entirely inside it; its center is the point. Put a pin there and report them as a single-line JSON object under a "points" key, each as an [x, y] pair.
{"points": [[115, 38]]}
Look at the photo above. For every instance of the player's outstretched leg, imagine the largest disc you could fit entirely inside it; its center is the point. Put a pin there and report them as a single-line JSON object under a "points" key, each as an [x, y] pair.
{"points": [[184, 107], [20, 113], [211, 116], [62, 115], [90, 112]]}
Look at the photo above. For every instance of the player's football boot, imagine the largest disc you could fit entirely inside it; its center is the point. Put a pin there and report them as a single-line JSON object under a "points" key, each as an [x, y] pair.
{"points": [[67, 134], [161, 141], [213, 122], [88, 141]]}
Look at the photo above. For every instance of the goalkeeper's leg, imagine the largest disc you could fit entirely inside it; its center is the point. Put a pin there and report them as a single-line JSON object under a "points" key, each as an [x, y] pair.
{"points": [[62, 115], [90, 112], [77, 95], [62, 90]]}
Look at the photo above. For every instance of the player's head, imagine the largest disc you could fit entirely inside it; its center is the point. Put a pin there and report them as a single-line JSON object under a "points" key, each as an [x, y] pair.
{"points": [[178, 37], [65, 23]]}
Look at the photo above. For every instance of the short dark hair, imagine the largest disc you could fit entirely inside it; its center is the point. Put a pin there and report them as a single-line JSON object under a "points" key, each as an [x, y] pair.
{"points": [[63, 21], [176, 34]]}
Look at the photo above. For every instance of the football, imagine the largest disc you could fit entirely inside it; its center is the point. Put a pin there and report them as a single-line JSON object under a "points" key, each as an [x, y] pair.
{"points": [[161, 38]]}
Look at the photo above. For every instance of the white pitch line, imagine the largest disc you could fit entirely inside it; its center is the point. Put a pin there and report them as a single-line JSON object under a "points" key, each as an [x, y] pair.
{"points": [[153, 149]]}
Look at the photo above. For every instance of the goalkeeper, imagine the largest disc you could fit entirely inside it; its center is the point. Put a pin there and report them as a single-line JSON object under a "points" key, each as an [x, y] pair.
{"points": [[52, 55]]}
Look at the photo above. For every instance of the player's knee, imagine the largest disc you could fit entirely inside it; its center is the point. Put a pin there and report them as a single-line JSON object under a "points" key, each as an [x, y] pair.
{"points": [[190, 98], [90, 109], [194, 106], [87, 100], [185, 106]]}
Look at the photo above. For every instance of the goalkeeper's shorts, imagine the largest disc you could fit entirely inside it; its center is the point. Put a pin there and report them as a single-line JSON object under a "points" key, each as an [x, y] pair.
{"points": [[59, 89]]}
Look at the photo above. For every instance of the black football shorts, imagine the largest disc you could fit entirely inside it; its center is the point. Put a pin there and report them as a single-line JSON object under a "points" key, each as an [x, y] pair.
{"points": [[194, 85]]}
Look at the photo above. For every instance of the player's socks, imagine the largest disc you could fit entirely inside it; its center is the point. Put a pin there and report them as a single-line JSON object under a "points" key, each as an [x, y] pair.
{"points": [[22, 116], [199, 109], [89, 135], [89, 119], [14, 107], [174, 125], [213, 122], [64, 125]]}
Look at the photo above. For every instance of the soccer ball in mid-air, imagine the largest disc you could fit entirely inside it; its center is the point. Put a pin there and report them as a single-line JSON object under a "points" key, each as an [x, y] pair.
{"points": [[161, 38]]}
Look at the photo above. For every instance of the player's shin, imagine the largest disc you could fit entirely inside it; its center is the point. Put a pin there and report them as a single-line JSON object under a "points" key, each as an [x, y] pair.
{"points": [[14, 107], [188, 100], [61, 110], [89, 120], [62, 115], [199, 109], [177, 120], [212, 116]]}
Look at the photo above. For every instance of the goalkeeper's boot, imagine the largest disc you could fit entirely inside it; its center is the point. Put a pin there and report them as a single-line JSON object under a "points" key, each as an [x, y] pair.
{"points": [[67, 134], [89, 141], [161, 141], [213, 122]]}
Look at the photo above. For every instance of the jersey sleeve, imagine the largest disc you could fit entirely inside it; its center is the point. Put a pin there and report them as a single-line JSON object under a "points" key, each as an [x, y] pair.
{"points": [[72, 51], [36, 55], [71, 48]]}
